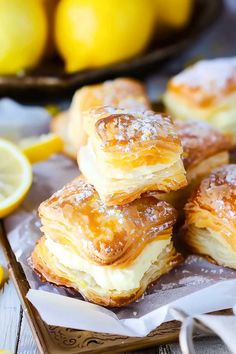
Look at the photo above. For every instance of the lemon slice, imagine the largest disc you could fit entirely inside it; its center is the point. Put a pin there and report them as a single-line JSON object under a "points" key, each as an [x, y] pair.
{"points": [[3, 276], [15, 177], [41, 148]]}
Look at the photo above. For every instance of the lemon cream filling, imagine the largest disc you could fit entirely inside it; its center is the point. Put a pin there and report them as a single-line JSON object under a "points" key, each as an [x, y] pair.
{"points": [[108, 277]]}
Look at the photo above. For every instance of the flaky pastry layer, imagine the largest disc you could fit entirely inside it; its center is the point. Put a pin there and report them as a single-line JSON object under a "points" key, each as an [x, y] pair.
{"points": [[210, 244], [121, 188], [221, 117], [76, 216], [212, 210], [52, 269]]}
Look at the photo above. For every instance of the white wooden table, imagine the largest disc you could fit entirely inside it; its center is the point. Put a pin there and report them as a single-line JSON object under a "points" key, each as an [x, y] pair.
{"points": [[15, 334]]}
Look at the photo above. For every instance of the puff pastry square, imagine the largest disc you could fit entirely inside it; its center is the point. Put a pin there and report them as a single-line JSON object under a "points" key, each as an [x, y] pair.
{"points": [[210, 228], [206, 91], [108, 254], [129, 153]]}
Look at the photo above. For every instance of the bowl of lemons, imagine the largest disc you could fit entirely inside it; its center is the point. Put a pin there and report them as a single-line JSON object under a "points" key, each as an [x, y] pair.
{"points": [[62, 44]]}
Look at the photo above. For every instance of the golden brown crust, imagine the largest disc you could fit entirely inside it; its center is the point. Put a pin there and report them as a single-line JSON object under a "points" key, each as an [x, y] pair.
{"points": [[45, 264], [127, 130], [104, 235], [59, 126], [216, 194], [212, 207], [200, 141], [120, 93], [206, 83]]}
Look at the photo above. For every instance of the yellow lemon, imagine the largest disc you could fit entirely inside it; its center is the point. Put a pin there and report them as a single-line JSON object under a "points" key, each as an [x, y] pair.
{"points": [[23, 34], [94, 33], [3, 277], [41, 148], [173, 13], [15, 177]]}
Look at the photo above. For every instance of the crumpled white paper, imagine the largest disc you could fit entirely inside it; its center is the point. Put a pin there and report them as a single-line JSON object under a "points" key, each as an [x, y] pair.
{"points": [[196, 286], [63, 311], [18, 121], [223, 326]]}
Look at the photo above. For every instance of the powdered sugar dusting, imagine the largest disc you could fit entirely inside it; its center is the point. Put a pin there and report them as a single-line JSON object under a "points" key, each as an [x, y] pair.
{"points": [[219, 192], [121, 93], [212, 76], [126, 127], [78, 190], [231, 176], [222, 175], [150, 213], [83, 195]]}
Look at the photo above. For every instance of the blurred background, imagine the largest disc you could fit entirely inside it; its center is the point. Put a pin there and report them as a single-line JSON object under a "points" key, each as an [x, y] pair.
{"points": [[55, 46], [84, 34]]}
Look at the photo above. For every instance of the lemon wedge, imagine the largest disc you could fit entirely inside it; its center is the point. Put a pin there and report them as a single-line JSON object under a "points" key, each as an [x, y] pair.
{"points": [[41, 148], [3, 276], [15, 177]]}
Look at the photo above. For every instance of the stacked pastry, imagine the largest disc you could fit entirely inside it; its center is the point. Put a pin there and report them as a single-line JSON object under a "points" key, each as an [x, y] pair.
{"points": [[108, 234], [110, 254], [101, 236]]}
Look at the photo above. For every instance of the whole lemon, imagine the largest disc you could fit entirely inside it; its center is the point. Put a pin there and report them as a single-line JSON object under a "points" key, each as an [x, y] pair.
{"points": [[94, 33], [23, 34], [173, 13]]}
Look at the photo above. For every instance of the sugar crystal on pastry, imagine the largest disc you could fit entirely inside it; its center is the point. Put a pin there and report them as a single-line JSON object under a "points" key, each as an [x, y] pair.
{"points": [[130, 152], [109, 254]]}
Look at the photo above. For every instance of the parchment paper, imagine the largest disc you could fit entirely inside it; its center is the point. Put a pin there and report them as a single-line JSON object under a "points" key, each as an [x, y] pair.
{"points": [[196, 286]]}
